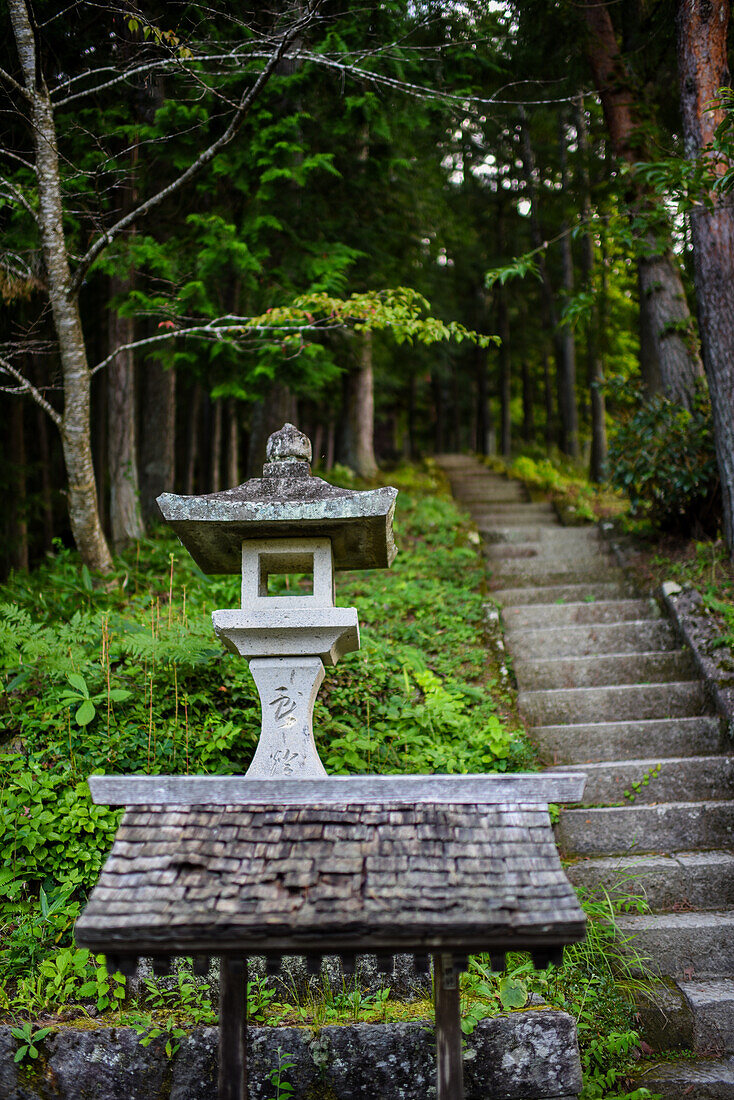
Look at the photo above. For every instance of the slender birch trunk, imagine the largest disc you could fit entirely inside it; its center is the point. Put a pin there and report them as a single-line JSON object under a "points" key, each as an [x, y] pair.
{"points": [[74, 423]]}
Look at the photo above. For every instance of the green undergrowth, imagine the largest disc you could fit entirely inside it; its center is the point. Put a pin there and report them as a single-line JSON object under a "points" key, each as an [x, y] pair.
{"points": [[566, 482], [123, 674]]}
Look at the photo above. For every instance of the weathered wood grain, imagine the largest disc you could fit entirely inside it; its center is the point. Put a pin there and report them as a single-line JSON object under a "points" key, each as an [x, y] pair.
{"points": [[233, 790], [449, 1067]]}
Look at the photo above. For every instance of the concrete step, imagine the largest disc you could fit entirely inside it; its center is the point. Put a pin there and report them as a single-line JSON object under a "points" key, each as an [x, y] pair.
{"points": [[551, 537], [623, 702], [633, 636], [521, 575], [688, 946], [709, 1079], [481, 493], [660, 827], [712, 1008], [487, 522], [536, 507], [528, 532], [599, 741], [682, 880], [578, 614], [612, 668], [563, 593], [670, 779]]}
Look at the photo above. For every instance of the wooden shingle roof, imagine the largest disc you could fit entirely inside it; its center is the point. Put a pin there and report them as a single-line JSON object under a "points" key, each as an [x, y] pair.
{"points": [[325, 878]]}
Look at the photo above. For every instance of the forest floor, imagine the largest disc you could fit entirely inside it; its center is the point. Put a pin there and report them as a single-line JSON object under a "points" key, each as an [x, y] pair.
{"points": [[122, 675]]}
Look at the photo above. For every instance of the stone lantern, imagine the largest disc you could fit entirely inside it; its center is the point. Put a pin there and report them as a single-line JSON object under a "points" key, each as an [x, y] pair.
{"points": [[286, 860], [286, 522]]}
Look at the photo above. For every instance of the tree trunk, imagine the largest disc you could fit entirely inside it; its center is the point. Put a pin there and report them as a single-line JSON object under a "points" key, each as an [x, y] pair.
{"points": [[125, 517], [503, 331], [668, 324], [567, 375], [439, 412], [702, 69], [361, 413], [18, 517], [480, 360], [594, 370], [233, 444], [547, 297], [158, 444], [318, 444], [44, 451], [548, 403], [330, 443], [75, 421], [215, 443], [269, 415], [192, 440], [528, 409], [650, 369]]}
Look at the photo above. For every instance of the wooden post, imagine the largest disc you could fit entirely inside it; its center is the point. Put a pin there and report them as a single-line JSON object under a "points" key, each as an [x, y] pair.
{"points": [[449, 1069], [232, 1029]]}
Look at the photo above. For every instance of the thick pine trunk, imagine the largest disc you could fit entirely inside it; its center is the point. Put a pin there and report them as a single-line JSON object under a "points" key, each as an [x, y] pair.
{"points": [[702, 70], [361, 413], [126, 519], [668, 324], [75, 422], [158, 442]]}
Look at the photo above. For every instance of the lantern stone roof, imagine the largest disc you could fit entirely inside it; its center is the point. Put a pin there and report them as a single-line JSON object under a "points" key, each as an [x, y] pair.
{"points": [[286, 502], [332, 878]]}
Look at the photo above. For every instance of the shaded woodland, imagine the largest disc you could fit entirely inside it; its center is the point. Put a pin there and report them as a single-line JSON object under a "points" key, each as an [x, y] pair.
{"points": [[218, 220]]}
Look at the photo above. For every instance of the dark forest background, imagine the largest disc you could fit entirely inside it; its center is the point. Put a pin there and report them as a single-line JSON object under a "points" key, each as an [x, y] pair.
{"points": [[214, 221]]}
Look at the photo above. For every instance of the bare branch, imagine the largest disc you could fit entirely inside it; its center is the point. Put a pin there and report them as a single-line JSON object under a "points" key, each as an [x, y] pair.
{"points": [[26, 386], [219, 329], [243, 107], [19, 197], [18, 88]]}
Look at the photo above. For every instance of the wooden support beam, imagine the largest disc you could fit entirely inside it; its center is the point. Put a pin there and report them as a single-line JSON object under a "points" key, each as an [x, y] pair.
{"points": [[229, 790], [232, 1029], [449, 1068]]}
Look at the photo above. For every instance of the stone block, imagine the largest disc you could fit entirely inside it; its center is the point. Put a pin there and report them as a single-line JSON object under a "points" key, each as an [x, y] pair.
{"points": [[524, 1056]]}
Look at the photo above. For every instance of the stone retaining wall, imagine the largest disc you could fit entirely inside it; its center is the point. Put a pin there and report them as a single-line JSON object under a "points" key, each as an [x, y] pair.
{"points": [[529, 1055]]}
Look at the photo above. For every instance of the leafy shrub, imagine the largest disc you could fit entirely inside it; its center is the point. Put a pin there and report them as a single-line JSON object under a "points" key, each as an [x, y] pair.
{"points": [[663, 457], [125, 676]]}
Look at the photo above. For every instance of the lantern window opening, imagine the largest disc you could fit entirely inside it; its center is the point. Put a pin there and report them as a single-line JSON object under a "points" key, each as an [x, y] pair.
{"points": [[309, 560]]}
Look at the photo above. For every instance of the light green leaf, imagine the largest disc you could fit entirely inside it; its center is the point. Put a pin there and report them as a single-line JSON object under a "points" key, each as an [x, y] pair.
{"points": [[86, 713]]}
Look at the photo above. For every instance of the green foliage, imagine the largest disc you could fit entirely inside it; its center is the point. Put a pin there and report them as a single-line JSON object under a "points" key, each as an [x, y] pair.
{"points": [[576, 497], [136, 656], [276, 1076], [29, 1040], [586, 985], [663, 458]]}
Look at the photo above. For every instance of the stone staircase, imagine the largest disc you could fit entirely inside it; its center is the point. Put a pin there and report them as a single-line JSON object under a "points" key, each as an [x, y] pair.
{"points": [[605, 687]]}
